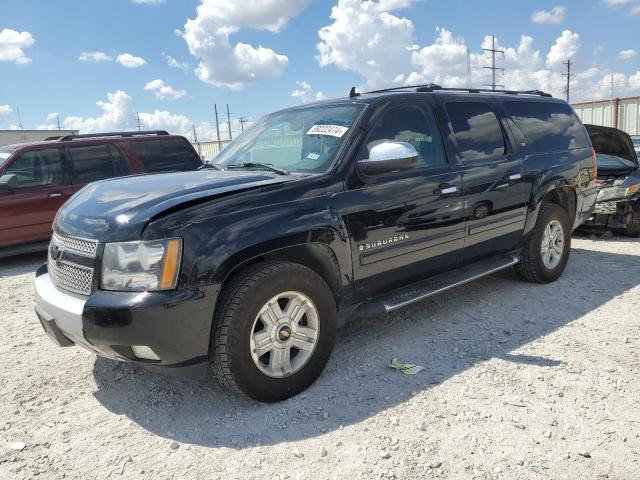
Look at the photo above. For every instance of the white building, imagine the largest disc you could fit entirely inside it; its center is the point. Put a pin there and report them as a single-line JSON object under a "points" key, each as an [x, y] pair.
{"points": [[622, 113], [9, 137]]}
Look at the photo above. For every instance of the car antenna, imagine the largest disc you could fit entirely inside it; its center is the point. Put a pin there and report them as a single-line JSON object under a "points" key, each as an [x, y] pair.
{"points": [[353, 93]]}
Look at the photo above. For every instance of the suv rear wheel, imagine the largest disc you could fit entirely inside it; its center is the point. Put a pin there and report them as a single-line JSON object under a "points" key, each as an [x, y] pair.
{"points": [[546, 251], [274, 331]]}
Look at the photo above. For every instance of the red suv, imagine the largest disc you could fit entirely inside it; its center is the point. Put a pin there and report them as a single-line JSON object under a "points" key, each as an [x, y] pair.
{"points": [[37, 178]]}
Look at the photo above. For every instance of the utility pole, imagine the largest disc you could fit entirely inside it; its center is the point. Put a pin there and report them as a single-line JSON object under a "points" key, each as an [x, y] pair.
{"points": [[242, 122], [215, 107], [613, 119], [229, 122], [138, 119], [493, 67], [58, 121], [568, 75], [195, 135], [19, 119], [468, 68]]}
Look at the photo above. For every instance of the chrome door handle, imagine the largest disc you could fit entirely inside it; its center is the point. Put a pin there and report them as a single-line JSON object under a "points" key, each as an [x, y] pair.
{"points": [[515, 176], [448, 190], [55, 195]]}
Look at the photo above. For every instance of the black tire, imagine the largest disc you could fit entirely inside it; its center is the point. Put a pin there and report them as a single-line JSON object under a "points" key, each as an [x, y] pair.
{"points": [[531, 266], [633, 228], [241, 301]]}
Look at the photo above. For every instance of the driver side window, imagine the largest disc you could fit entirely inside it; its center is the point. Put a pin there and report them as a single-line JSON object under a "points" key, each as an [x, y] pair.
{"points": [[410, 124], [38, 168]]}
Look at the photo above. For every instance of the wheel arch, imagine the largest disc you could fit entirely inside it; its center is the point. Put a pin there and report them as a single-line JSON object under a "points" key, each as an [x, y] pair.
{"points": [[560, 193], [317, 256]]}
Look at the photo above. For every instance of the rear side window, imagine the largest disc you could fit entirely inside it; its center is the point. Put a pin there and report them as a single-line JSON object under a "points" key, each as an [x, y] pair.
{"points": [[167, 155], [97, 162], [547, 126], [38, 168], [476, 131]]}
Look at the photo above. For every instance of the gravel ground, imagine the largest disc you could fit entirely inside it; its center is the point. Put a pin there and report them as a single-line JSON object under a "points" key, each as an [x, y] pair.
{"points": [[521, 381]]}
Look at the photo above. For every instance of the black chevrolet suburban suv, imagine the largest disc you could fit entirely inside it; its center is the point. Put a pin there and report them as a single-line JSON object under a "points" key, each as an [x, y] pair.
{"points": [[359, 205]]}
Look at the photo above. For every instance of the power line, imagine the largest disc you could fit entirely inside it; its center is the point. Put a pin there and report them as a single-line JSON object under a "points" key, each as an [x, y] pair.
{"points": [[493, 67], [568, 75]]}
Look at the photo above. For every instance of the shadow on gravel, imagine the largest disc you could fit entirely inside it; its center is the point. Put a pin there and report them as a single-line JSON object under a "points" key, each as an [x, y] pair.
{"points": [[21, 264], [447, 334]]}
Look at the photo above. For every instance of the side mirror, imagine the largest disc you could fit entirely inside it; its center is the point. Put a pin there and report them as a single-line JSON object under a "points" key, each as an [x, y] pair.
{"points": [[389, 157], [8, 183]]}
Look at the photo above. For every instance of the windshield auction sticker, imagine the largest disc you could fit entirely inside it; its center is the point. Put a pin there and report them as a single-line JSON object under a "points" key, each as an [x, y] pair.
{"points": [[331, 130]]}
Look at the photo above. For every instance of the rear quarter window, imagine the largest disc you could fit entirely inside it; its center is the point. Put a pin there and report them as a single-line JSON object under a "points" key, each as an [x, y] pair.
{"points": [[547, 126], [168, 155], [476, 131]]}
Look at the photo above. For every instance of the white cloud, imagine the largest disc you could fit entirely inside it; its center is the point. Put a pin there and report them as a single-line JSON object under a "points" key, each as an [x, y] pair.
{"points": [[366, 38], [173, 63], [95, 56], [227, 65], [556, 15], [627, 54], [119, 114], [52, 117], [633, 5], [5, 111], [164, 92], [12, 45], [130, 61], [566, 46], [305, 93]]}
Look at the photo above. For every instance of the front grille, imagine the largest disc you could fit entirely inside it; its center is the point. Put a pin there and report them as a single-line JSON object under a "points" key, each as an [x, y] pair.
{"points": [[81, 245], [72, 277], [71, 263]]}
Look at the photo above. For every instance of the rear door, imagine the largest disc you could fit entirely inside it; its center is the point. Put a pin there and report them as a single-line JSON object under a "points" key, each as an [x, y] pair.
{"points": [[42, 186], [166, 155], [90, 163], [408, 225], [493, 188]]}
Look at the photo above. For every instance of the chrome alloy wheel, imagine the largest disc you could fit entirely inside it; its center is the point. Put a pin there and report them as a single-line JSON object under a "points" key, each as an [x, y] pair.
{"points": [[552, 246], [285, 334]]}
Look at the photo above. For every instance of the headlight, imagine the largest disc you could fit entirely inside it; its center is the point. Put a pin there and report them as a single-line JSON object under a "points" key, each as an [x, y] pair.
{"points": [[618, 191], [141, 266]]}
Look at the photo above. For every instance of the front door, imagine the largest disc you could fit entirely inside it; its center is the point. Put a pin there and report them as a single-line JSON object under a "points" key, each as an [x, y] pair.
{"points": [[41, 187], [408, 225], [493, 188]]}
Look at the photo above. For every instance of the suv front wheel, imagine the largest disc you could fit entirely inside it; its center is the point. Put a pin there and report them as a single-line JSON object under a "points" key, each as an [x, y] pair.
{"points": [[274, 331], [546, 250]]}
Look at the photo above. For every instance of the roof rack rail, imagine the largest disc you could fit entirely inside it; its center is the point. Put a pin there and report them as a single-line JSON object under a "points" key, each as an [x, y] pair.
{"points": [[111, 134], [53, 138], [432, 87]]}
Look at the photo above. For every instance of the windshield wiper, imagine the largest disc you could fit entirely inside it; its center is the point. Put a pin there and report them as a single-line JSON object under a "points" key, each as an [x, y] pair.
{"points": [[264, 166]]}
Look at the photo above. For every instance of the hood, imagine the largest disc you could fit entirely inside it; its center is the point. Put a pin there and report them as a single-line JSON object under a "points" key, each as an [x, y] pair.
{"points": [[119, 209], [611, 141]]}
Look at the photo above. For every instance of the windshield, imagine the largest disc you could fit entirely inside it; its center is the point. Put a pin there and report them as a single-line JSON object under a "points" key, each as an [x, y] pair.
{"points": [[610, 162], [304, 140]]}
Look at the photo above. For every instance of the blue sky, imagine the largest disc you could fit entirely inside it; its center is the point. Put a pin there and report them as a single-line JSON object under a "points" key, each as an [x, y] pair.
{"points": [[386, 42]]}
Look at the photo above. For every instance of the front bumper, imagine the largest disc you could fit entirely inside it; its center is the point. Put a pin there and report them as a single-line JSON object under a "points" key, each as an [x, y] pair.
{"points": [[175, 325], [613, 213]]}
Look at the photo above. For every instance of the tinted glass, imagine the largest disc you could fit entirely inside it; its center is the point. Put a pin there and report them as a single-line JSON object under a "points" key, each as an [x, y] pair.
{"points": [[97, 162], [476, 131], [171, 155], [547, 126], [37, 168], [411, 124]]}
